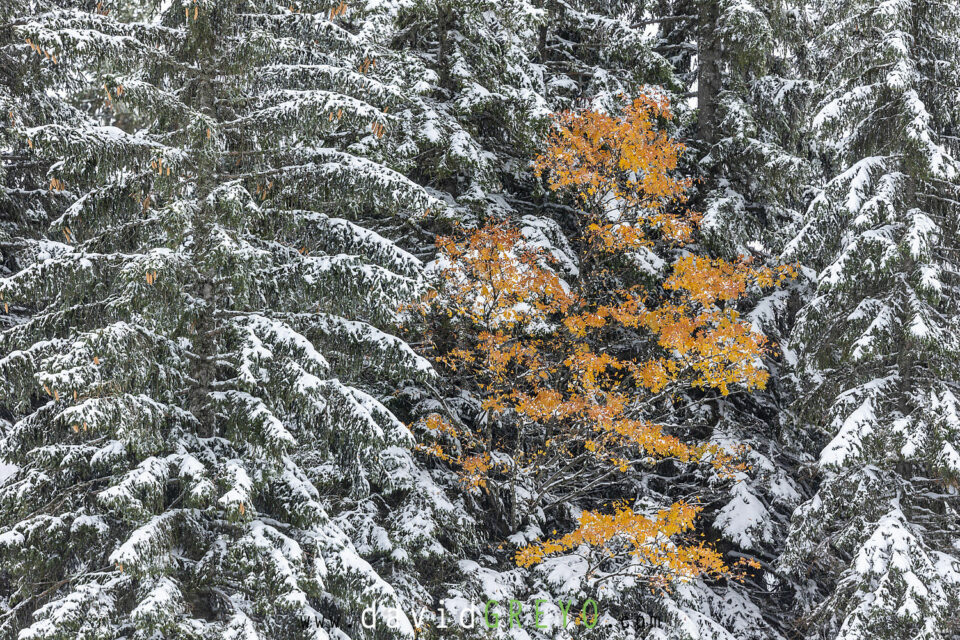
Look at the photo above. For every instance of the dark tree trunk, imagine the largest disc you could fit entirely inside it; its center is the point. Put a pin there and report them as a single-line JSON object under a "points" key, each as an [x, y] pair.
{"points": [[708, 72], [444, 23]]}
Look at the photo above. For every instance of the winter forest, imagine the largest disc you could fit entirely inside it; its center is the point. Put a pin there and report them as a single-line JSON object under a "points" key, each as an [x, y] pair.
{"points": [[464, 319]]}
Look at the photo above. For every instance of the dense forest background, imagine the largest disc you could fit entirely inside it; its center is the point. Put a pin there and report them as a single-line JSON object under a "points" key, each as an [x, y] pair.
{"points": [[212, 213]]}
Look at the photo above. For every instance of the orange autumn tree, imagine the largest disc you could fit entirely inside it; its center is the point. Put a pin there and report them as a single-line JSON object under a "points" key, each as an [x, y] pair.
{"points": [[571, 371]]}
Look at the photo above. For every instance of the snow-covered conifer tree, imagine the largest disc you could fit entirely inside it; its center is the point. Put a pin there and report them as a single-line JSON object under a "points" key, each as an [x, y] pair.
{"points": [[874, 551], [190, 390], [751, 94], [27, 74]]}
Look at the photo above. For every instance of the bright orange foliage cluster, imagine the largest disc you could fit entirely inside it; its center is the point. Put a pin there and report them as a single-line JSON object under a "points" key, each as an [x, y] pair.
{"points": [[650, 539], [557, 399], [623, 163]]}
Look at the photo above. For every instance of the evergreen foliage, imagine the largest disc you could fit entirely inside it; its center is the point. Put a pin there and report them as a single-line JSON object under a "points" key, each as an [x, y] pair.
{"points": [[188, 386], [215, 405], [877, 342]]}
